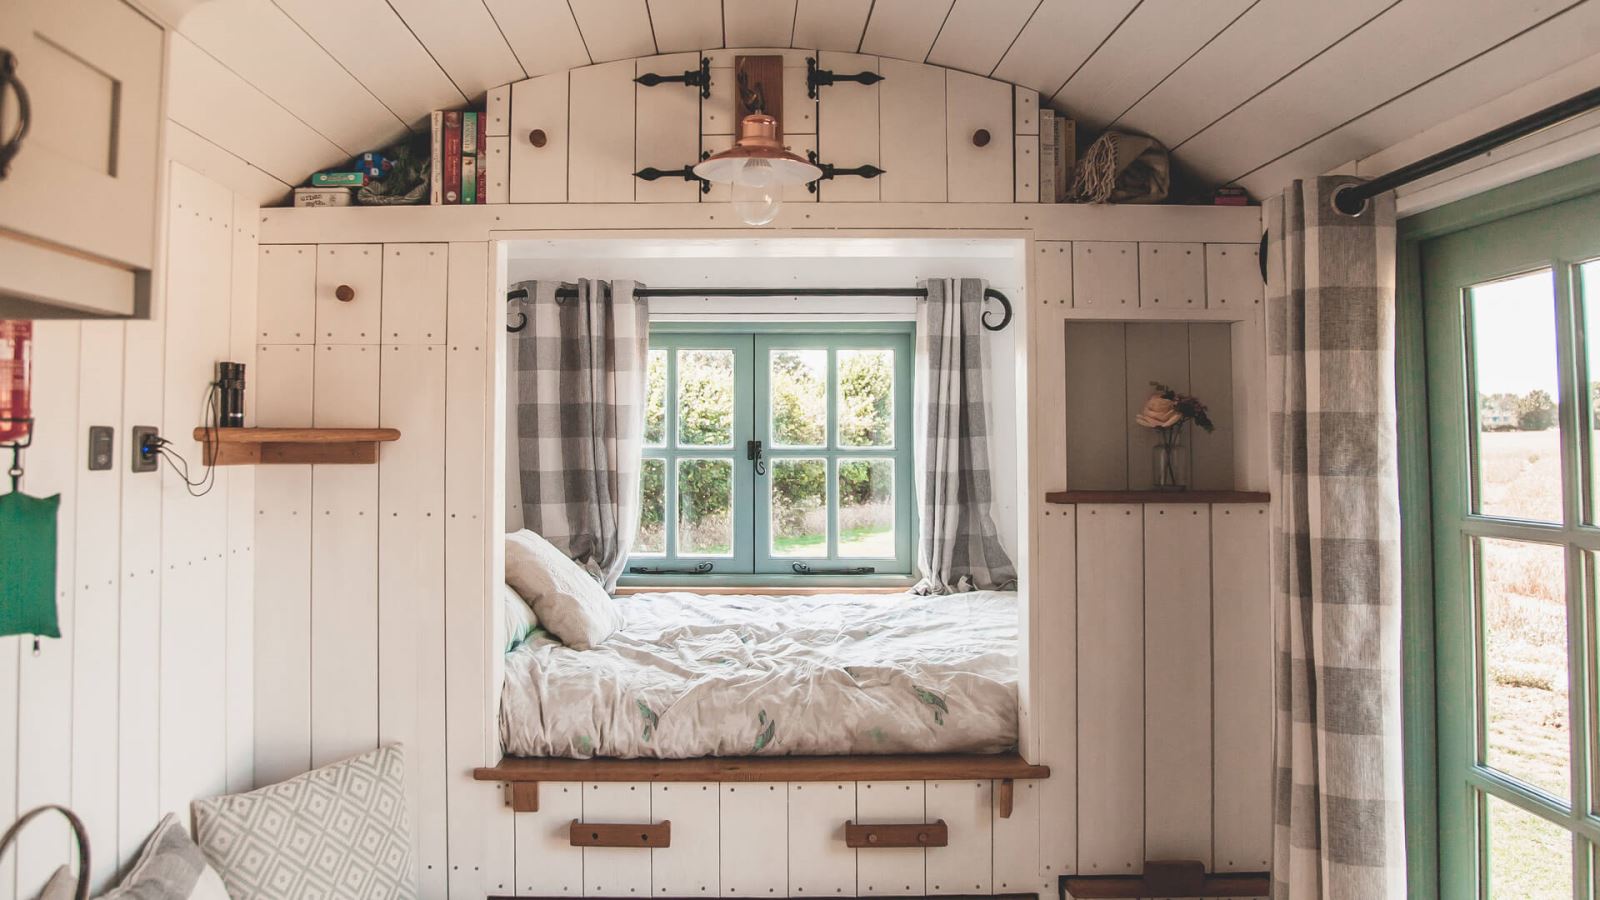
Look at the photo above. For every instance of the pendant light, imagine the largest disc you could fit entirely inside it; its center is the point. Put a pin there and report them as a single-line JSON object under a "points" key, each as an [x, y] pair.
{"points": [[758, 168]]}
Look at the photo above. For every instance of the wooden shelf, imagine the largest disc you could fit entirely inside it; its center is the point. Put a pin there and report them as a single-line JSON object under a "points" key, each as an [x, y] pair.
{"points": [[906, 767], [1157, 497], [292, 446], [1171, 878]]}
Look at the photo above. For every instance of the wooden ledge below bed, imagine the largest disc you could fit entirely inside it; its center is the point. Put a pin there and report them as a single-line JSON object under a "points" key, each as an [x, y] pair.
{"points": [[524, 773]]}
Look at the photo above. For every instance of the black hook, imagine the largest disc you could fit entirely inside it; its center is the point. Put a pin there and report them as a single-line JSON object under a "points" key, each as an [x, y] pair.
{"points": [[1005, 310], [522, 317]]}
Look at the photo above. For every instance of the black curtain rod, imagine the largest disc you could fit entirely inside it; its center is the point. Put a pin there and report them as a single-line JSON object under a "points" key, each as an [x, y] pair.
{"points": [[1353, 199], [571, 293]]}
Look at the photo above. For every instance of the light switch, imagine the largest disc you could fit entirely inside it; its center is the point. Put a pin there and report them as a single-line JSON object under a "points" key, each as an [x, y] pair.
{"points": [[101, 437]]}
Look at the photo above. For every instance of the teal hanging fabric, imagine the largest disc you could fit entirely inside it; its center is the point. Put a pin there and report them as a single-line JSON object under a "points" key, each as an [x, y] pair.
{"points": [[28, 564]]}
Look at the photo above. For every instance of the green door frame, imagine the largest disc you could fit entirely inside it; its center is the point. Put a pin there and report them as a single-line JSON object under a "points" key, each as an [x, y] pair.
{"points": [[1435, 871]]}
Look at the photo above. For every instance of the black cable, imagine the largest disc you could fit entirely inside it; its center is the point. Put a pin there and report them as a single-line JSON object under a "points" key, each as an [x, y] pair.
{"points": [[162, 445]]}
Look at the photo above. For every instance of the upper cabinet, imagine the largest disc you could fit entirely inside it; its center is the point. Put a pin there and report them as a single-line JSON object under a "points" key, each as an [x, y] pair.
{"points": [[78, 206]]}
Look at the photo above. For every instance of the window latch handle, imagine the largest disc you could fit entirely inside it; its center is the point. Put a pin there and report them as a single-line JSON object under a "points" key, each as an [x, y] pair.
{"points": [[752, 452]]}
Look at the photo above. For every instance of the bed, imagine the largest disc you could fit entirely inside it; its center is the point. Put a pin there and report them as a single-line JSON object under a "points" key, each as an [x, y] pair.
{"points": [[694, 675]]}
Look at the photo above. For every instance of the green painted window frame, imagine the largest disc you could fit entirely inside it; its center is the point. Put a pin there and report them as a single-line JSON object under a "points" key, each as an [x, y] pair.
{"points": [[1446, 850], [752, 563]]}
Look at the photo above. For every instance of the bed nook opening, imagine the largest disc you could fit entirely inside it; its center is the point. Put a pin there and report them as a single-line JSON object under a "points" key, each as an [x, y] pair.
{"points": [[765, 466]]}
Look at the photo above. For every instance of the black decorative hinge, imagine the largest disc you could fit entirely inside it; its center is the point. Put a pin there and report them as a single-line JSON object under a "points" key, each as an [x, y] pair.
{"points": [[694, 78], [803, 569], [702, 569], [816, 77], [651, 173], [830, 171]]}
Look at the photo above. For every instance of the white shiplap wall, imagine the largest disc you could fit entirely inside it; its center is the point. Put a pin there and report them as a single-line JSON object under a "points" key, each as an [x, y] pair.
{"points": [[144, 703]]}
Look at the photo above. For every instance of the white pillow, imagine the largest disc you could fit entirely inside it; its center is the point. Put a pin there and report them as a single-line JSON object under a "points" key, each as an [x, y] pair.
{"points": [[570, 604], [170, 867], [516, 617]]}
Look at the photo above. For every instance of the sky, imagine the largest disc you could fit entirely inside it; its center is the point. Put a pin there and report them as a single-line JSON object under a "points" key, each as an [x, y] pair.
{"points": [[1515, 334]]}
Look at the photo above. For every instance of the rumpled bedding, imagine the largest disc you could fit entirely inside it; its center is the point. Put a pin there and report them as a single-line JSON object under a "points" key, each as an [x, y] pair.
{"points": [[693, 675]]}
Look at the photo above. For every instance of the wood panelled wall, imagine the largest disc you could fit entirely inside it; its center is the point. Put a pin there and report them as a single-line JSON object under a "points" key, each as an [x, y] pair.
{"points": [[144, 703]]}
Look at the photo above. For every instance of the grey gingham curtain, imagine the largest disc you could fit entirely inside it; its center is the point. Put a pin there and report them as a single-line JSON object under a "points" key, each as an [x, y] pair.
{"points": [[959, 548], [577, 370], [1339, 812]]}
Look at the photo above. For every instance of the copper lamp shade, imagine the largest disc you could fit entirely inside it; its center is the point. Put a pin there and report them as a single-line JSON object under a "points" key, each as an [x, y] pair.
{"points": [[758, 144]]}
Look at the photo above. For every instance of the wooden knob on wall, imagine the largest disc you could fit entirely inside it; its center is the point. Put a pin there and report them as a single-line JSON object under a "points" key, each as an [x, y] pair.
{"points": [[537, 137], [345, 293], [980, 138]]}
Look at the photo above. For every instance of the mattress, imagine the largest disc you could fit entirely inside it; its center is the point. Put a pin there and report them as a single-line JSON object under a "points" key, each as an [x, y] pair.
{"points": [[693, 675]]}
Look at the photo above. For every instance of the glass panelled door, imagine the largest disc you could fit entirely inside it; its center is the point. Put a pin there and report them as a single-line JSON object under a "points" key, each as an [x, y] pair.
{"points": [[1513, 333]]}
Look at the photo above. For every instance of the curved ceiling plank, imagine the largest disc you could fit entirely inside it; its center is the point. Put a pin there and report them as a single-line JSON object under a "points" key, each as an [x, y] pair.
{"points": [[684, 25], [978, 32], [615, 29], [1059, 39], [758, 23], [465, 40], [830, 24], [904, 29]]}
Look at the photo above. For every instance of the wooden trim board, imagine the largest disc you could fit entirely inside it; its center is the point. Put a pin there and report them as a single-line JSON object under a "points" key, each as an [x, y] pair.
{"points": [[1158, 497], [292, 446], [903, 767]]}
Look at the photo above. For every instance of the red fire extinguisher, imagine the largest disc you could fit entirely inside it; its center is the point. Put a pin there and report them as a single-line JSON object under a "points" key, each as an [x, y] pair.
{"points": [[16, 407]]}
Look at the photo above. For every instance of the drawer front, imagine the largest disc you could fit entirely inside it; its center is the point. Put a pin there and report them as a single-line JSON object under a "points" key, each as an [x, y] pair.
{"points": [[963, 867], [1105, 275], [616, 871], [547, 863], [414, 285], [820, 863], [890, 872], [538, 144], [349, 293], [755, 839], [687, 868], [1016, 843], [286, 290]]}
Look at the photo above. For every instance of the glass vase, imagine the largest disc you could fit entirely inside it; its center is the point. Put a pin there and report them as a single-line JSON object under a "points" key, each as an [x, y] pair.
{"points": [[1169, 463]]}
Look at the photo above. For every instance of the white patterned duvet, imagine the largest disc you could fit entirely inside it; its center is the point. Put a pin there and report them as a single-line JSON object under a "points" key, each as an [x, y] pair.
{"points": [[703, 675]]}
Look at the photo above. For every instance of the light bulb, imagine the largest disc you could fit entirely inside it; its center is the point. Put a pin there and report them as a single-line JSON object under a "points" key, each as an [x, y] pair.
{"points": [[757, 196]]}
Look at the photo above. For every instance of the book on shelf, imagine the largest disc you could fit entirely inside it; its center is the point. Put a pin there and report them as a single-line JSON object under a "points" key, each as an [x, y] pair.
{"points": [[1058, 154], [459, 146]]}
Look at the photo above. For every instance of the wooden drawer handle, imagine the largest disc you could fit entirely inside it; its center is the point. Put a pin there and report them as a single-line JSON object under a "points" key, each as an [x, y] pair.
{"points": [[867, 837], [980, 138], [595, 834], [537, 137], [345, 293]]}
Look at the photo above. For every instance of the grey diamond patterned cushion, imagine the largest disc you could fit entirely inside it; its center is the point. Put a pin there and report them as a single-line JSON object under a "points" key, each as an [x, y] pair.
{"points": [[336, 833]]}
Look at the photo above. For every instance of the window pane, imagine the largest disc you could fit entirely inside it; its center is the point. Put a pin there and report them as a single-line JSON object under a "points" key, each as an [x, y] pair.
{"points": [[1589, 284], [866, 398], [799, 507], [1525, 662], [1529, 856], [799, 398], [866, 508], [705, 507], [1514, 365], [655, 399], [705, 398], [652, 537]]}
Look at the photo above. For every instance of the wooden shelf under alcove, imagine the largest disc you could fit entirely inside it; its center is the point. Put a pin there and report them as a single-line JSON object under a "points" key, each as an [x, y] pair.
{"points": [[1158, 497], [292, 446]]}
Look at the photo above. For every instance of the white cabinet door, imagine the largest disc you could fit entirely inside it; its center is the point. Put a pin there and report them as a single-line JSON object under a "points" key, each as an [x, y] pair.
{"points": [[688, 867], [600, 151], [1016, 844], [286, 290], [978, 139], [616, 871], [1233, 276], [1241, 628], [892, 871], [539, 139], [547, 863], [415, 278], [668, 133], [911, 132], [964, 865], [820, 865], [755, 839], [349, 293], [1172, 276], [1105, 275], [847, 127], [85, 176]]}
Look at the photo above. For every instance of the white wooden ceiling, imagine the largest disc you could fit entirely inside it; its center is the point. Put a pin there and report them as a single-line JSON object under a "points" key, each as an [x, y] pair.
{"points": [[1253, 92]]}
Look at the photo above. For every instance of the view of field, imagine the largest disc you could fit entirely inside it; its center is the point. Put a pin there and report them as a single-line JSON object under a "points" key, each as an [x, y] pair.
{"points": [[1525, 655]]}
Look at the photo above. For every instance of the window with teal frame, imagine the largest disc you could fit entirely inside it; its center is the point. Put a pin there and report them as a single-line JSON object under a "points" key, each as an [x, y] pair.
{"points": [[776, 450]]}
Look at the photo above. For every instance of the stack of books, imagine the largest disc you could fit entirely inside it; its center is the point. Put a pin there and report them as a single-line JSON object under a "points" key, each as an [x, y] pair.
{"points": [[1058, 155], [457, 171]]}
